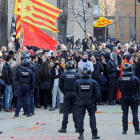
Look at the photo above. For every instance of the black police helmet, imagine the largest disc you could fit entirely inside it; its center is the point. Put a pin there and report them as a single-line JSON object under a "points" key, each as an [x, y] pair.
{"points": [[86, 72], [24, 56], [25, 62], [127, 69], [70, 66]]}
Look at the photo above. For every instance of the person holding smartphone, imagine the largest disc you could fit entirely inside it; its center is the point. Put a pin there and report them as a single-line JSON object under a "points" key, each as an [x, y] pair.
{"points": [[55, 74]]}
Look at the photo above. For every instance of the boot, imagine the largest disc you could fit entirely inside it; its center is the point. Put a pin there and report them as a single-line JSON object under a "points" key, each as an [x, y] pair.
{"points": [[52, 109], [8, 110], [24, 113], [38, 106], [124, 132], [45, 107], [112, 103], [76, 130], [16, 115], [100, 103], [137, 132], [81, 137], [29, 115], [62, 131], [33, 113], [95, 137]]}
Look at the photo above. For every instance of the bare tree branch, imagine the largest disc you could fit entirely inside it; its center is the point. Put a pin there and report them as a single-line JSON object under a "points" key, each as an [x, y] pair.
{"points": [[122, 17], [80, 14], [77, 19]]}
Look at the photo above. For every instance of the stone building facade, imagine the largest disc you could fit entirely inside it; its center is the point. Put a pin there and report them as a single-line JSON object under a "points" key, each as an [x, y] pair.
{"points": [[125, 18]]}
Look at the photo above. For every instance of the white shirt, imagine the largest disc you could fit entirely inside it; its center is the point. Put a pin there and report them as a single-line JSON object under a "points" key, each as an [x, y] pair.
{"points": [[57, 79]]}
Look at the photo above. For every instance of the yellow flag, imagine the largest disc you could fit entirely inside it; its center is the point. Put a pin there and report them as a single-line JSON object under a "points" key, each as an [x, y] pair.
{"points": [[40, 14], [102, 22]]}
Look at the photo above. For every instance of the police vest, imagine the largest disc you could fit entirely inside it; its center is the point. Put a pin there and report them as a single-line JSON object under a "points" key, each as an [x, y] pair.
{"points": [[128, 87], [85, 89], [69, 81], [25, 76]]}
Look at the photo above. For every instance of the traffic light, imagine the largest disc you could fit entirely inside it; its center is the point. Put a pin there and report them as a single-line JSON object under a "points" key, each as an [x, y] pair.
{"points": [[139, 1]]}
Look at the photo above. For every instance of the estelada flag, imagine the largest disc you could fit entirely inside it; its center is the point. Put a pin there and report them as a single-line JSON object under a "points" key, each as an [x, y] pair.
{"points": [[33, 36], [17, 11], [118, 93], [102, 22], [40, 14]]}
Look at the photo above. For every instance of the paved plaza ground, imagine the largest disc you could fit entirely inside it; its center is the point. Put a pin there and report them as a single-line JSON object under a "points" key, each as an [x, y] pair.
{"points": [[109, 124]]}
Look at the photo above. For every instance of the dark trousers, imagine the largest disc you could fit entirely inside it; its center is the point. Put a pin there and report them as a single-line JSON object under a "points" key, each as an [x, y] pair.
{"points": [[15, 101], [89, 105], [133, 103], [23, 97], [36, 96], [46, 97], [70, 104], [112, 87], [32, 104]]}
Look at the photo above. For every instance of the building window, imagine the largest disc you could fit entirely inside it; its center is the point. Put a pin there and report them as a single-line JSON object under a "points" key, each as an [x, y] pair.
{"points": [[131, 27], [95, 2]]}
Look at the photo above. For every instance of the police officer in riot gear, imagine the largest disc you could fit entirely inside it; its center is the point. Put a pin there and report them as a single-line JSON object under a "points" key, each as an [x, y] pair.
{"points": [[129, 85], [88, 91], [67, 86], [26, 79], [26, 56]]}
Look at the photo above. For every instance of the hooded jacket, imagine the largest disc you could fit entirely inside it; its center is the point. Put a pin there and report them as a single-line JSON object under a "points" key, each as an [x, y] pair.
{"points": [[31, 52], [98, 68], [82, 64], [112, 68]]}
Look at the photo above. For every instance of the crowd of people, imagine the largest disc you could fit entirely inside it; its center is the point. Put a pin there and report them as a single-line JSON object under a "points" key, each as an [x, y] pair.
{"points": [[103, 59]]}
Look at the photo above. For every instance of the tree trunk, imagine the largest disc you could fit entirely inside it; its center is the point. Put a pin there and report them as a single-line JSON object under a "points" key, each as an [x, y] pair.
{"points": [[4, 21], [84, 16], [62, 20]]}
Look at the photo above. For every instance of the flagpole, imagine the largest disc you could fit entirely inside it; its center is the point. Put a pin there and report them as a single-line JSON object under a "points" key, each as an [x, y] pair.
{"points": [[23, 33], [105, 33]]}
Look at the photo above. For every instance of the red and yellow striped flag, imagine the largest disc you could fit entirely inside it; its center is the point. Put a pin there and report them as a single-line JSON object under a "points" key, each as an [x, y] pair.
{"points": [[40, 14], [17, 11]]}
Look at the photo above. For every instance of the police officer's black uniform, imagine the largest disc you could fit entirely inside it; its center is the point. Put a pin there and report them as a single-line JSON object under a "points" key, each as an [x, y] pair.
{"points": [[129, 85], [26, 79], [88, 91], [67, 86]]}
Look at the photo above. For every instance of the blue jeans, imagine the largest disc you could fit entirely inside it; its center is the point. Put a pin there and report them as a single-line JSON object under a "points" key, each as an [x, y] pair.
{"points": [[8, 97], [58, 100]]}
